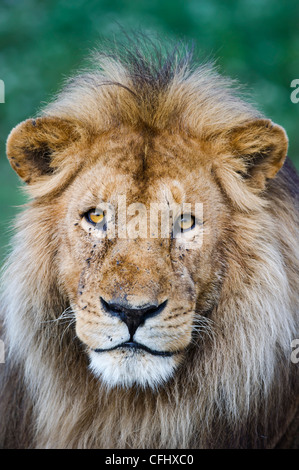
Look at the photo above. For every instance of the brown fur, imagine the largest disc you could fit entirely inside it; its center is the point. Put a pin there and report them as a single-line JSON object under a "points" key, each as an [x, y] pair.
{"points": [[152, 130]]}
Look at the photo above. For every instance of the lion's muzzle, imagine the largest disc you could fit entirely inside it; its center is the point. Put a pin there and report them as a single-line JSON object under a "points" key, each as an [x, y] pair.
{"points": [[133, 317]]}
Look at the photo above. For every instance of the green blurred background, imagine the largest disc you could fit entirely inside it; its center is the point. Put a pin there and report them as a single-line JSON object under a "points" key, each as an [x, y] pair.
{"points": [[42, 42]]}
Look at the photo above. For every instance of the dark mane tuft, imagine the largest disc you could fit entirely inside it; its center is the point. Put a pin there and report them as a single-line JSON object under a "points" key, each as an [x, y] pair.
{"points": [[143, 82]]}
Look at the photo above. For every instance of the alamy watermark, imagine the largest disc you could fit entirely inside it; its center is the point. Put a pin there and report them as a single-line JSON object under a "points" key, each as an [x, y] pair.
{"points": [[295, 352], [183, 222], [2, 92], [2, 352], [295, 93]]}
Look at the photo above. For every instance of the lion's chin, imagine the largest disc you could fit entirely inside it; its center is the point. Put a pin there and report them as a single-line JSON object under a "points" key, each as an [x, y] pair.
{"points": [[125, 368]]}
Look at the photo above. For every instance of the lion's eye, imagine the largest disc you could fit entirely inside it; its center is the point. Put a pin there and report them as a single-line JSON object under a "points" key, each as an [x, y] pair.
{"points": [[186, 222], [94, 216]]}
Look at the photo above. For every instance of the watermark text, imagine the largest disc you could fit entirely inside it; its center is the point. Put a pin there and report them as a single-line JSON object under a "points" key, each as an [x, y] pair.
{"points": [[2, 352], [2, 92], [295, 93], [295, 352]]}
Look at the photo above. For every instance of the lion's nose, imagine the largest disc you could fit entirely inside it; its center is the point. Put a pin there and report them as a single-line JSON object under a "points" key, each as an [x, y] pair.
{"points": [[132, 317]]}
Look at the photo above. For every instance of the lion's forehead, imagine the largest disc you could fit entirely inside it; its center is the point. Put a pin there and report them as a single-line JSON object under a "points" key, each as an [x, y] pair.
{"points": [[146, 157], [147, 169]]}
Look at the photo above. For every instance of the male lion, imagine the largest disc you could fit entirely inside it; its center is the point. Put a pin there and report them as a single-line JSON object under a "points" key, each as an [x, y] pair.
{"points": [[118, 335]]}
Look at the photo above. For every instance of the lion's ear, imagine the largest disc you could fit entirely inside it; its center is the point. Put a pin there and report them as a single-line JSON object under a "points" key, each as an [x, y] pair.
{"points": [[262, 147], [33, 146]]}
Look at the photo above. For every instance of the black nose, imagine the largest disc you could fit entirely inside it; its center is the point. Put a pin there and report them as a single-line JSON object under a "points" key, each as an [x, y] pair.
{"points": [[132, 317]]}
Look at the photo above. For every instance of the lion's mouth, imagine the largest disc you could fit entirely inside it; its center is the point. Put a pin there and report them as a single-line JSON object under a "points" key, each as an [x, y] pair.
{"points": [[135, 346]]}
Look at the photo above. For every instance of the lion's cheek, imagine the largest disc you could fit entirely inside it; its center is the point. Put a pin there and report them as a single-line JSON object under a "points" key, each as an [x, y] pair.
{"points": [[172, 340], [96, 333], [172, 333]]}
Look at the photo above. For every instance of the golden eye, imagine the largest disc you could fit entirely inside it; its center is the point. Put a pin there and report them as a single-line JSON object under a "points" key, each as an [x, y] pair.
{"points": [[186, 222], [95, 216]]}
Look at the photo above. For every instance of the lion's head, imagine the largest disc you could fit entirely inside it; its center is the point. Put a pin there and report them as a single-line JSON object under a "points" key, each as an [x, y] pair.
{"points": [[141, 281], [152, 229]]}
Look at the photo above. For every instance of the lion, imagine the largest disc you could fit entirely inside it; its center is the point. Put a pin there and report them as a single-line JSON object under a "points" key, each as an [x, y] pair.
{"points": [[119, 332]]}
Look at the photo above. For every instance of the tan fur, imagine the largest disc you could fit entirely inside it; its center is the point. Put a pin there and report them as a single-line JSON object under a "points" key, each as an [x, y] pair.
{"points": [[232, 308]]}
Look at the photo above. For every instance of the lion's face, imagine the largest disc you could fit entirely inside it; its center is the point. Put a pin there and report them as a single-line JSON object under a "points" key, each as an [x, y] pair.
{"points": [[142, 291], [137, 293]]}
